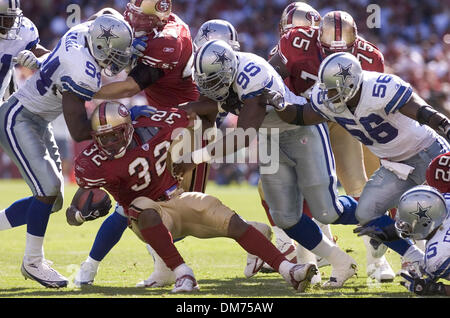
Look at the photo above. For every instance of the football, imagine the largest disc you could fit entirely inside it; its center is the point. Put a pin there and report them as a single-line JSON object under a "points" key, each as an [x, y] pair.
{"points": [[82, 195]]}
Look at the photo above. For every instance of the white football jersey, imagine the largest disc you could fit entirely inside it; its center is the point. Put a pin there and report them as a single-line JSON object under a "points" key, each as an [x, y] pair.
{"points": [[27, 38], [377, 122], [254, 74], [437, 253], [70, 67]]}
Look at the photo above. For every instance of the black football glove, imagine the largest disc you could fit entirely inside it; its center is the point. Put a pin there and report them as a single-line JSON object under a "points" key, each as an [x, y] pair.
{"points": [[232, 104], [92, 211], [385, 234], [421, 286]]}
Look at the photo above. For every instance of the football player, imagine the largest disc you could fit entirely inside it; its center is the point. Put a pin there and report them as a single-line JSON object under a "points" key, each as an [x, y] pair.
{"points": [[129, 160], [68, 77], [294, 15], [218, 29], [238, 80], [164, 73], [19, 43], [422, 214], [382, 111], [297, 59]]}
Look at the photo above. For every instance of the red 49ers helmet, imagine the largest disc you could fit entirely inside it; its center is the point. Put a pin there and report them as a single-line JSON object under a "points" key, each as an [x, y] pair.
{"points": [[337, 33], [146, 15], [112, 128], [438, 173], [299, 14]]}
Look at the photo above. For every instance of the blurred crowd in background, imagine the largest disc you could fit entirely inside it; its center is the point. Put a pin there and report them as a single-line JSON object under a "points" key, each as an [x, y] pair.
{"points": [[414, 36]]}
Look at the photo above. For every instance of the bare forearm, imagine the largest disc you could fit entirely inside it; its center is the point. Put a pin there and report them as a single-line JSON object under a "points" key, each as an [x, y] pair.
{"points": [[118, 90]]}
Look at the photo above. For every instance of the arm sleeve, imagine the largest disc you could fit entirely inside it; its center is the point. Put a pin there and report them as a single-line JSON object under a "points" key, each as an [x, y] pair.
{"points": [[145, 75]]}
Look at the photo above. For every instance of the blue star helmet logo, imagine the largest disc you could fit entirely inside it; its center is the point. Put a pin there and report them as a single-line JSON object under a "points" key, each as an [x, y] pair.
{"points": [[206, 31], [344, 72], [421, 214], [222, 58], [107, 34]]}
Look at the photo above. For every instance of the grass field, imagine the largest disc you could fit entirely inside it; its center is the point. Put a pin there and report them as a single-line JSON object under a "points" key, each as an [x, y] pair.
{"points": [[217, 263]]}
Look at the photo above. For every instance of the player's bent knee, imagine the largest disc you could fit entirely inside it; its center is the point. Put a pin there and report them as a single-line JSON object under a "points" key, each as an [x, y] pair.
{"points": [[327, 217], [282, 221], [148, 218], [237, 227]]}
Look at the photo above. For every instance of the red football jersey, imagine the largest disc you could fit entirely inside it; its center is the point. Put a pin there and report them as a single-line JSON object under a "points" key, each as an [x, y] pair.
{"points": [[171, 50], [300, 52], [142, 171]]}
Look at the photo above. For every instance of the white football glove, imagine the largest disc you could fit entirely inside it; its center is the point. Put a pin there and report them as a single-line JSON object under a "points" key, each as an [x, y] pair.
{"points": [[275, 99], [28, 59]]}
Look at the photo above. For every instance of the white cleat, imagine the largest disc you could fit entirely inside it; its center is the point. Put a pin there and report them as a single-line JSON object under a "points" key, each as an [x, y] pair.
{"points": [[85, 275], [300, 276], [254, 263], [381, 271], [341, 271], [158, 279], [41, 272]]}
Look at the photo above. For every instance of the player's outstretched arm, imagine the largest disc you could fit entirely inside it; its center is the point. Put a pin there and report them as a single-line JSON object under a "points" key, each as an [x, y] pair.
{"points": [[417, 109], [300, 115], [76, 117], [251, 116], [139, 78]]}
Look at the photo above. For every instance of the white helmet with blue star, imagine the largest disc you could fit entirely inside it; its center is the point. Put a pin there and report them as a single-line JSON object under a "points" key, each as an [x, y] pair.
{"points": [[215, 66], [110, 39], [420, 211], [340, 77]]}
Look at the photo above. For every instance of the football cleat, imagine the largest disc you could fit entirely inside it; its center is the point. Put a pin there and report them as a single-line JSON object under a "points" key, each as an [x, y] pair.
{"points": [[44, 274], [254, 263], [342, 270], [158, 279], [161, 276], [185, 281], [381, 271], [300, 276], [85, 275]]}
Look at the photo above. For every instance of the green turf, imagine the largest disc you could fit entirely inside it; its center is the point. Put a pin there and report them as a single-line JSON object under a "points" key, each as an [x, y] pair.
{"points": [[217, 263]]}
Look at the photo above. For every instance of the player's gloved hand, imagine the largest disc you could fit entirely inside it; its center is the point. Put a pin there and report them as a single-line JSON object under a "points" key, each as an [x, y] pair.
{"points": [[142, 111], [422, 286], [446, 131], [385, 234], [275, 99], [89, 211], [92, 211], [232, 104], [28, 59], [139, 46]]}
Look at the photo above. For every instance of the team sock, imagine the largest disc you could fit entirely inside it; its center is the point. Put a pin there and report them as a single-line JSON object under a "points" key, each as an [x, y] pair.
{"points": [[254, 242], [348, 215], [160, 240], [306, 232], [108, 236], [15, 215]]}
